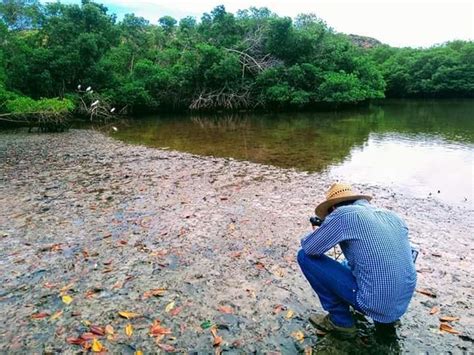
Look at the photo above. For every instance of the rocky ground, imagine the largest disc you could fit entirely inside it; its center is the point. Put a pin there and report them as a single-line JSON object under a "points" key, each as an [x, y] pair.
{"points": [[197, 252]]}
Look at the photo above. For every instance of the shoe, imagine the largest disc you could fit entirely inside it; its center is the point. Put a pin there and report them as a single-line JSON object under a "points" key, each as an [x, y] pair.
{"points": [[325, 324]]}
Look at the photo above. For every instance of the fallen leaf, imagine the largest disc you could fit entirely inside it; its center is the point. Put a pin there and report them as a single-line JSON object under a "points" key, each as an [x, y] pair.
{"points": [[308, 350], [166, 347], [56, 315], [434, 310], [156, 329], [225, 309], [56, 247], [278, 308], [138, 352], [109, 330], [40, 315], [445, 327], [259, 265], [97, 347], [129, 330], [97, 330], [426, 292], [289, 314], [298, 335], [88, 336], [90, 294], [448, 319], [67, 299], [206, 324], [279, 272], [236, 254], [118, 284], [157, 292], [176, 311], [128, 315], [169, 307], [75, 341], [49, 285], [66, 288], [217, 340]]}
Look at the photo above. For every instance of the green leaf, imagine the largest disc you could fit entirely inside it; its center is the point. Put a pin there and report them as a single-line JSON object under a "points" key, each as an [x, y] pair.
{"points": [[206, 324]]}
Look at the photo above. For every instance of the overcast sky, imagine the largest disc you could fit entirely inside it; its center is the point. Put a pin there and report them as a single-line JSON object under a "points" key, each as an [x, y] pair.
{"points": [[416, 23]]}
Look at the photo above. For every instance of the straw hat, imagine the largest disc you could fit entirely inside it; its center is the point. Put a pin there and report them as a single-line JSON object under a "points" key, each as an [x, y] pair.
{"points": [[338, 193]]}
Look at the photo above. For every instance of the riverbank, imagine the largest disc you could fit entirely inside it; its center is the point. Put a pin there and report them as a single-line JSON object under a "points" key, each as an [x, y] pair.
{"points": [[97, 223]]}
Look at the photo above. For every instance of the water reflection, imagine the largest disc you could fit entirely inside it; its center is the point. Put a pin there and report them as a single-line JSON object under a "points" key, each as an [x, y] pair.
{"points": [[418, 146]]}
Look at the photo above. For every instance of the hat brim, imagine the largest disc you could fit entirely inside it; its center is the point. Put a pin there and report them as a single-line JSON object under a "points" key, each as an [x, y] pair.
{"points": [[323, 208]]}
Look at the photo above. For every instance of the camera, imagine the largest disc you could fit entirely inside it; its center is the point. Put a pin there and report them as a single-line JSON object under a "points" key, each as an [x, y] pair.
{"points": [[316, 221]]}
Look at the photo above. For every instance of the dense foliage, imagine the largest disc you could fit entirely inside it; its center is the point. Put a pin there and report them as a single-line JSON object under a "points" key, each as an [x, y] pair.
{"points": [[251, 59], [441, 71]]}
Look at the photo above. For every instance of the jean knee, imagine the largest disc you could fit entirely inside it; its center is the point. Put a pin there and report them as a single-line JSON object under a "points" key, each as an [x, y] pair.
{"points": [[301, 256]]}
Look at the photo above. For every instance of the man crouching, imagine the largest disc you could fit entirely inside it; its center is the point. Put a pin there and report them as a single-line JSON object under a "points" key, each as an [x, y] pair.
{"points": [[380, 277]]}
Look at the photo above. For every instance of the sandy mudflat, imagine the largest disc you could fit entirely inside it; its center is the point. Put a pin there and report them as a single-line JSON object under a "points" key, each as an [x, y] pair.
{"points": [[106, 222]]}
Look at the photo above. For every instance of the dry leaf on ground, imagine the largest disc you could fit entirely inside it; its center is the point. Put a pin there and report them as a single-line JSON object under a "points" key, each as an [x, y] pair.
{"points": [[109, 330], [434, 310], [56, 315], [289, 314], [40, 315], [97, 347], [445, 327], [127, 314], [448, 319], [67, 299], [225, 309], [75, 341], [66, 288], [166, 347], [298, 335], [217, 340], [176, 311], [129, 330], [156, 329], [157, 292], [88, 336], [426, 292], [278, 308], [169, 307], [97, 330]]}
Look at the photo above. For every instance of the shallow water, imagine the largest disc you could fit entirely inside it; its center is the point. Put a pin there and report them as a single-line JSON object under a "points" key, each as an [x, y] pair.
{"points": [[421, 148]]}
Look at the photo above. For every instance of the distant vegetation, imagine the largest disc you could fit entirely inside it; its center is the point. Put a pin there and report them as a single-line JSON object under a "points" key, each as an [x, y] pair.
{"points": [[253, 59]]}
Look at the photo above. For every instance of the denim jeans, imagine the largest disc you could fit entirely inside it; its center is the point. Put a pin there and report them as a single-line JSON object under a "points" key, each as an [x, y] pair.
{"points": [[334, 284]]}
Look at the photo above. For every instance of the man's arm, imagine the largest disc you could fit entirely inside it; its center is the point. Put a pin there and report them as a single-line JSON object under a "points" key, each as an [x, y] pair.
{"points": [[324, 237]]}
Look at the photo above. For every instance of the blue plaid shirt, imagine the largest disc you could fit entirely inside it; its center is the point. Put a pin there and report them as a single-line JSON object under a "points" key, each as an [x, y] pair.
{"points": [[375, 244]]}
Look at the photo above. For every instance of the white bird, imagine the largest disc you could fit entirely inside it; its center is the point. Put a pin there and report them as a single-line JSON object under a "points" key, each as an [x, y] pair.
{"points": [[79, 87], [115, 128], [112, 110], [88, 88], [95, 103]]}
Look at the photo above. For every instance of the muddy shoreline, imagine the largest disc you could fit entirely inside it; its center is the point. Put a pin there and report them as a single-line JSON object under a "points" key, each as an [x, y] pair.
{"points": [[85, 216]]}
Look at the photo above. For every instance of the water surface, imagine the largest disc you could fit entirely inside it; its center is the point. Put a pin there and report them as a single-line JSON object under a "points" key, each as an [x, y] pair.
{"points": [[423, 148]]}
